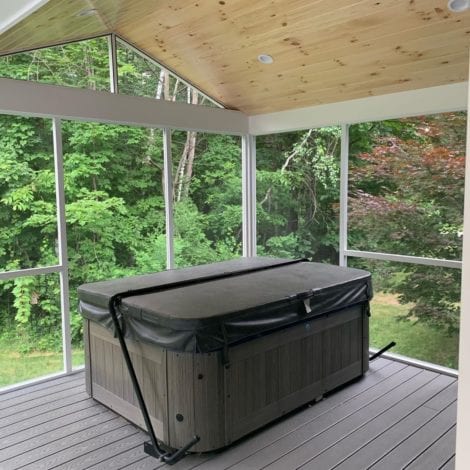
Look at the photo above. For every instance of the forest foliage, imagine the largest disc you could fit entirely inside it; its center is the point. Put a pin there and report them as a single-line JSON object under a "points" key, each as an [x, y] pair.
{"points": [[406, 195]]}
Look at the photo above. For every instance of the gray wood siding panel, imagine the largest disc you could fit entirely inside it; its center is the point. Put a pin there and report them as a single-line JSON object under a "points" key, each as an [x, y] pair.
{"points": [[365, 334], [112, 384], [296, 365], [87, 351], [209, 400], [272, 434], [126, 409], [181, 390]]}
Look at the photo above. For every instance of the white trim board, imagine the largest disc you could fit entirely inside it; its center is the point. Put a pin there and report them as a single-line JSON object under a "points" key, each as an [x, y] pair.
{"points": [[24, 98], [445, 263], [417, 363], [424, 101], [40, 380], [463, 408]]}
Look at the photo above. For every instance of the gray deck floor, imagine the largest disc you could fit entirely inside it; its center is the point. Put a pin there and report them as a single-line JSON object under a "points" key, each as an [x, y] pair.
{"points": [[396, 417]]}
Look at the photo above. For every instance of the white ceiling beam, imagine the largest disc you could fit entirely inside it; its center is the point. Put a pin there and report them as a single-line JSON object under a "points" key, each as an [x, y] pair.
{"points": [[424, 101], [36, 99], [13, 11]]}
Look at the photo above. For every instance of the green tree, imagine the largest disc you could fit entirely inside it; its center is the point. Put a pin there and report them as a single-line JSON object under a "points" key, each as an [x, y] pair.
{"points": [[298, 194], [113, 188], [407, 198]]}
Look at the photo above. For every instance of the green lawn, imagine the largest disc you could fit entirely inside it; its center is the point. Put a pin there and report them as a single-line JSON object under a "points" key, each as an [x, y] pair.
{"points": [[414, 340], [16, 367]]}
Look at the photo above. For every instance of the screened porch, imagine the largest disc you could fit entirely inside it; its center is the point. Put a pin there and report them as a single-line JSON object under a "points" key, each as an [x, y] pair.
{"points": [[119, 160]]}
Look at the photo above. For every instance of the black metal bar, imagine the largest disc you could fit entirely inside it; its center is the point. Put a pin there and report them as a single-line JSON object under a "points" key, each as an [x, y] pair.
{"points": [[381, 351], [169, 458], [151, 448], [153, 438]]}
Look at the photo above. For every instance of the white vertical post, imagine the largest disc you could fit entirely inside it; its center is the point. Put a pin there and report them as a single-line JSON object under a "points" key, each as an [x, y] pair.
{"points": [[62, 244], [462, 456], [249, 194], [343, 196], [113, 67], [168, 195]]}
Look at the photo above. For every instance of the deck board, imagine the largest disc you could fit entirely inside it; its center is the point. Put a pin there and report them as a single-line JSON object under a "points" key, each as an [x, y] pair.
{"points": [[349, 440], [28, 390], [315, 439], [389, 434], [449, 465], [406, 451], [436, 454], [50, 426], [62, 413], [397, 416], [123, 459]]}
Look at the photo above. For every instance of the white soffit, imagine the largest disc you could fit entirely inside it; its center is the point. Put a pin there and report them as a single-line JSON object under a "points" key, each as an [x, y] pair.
{"points": [[13, 11], [424, 101]]}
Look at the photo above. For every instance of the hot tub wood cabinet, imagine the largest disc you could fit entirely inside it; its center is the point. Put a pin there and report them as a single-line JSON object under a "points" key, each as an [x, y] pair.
{"points": [[222, 349]]}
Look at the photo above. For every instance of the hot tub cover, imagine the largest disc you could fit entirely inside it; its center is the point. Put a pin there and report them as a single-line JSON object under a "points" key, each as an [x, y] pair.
{"points": [[210, 307]]}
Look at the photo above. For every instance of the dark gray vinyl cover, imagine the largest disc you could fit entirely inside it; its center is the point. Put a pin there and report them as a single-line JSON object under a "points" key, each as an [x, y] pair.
{"points": [[206, 308]]}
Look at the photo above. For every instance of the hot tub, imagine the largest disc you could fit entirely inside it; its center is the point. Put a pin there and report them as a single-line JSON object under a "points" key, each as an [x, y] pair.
{"points": [[222, 349]]}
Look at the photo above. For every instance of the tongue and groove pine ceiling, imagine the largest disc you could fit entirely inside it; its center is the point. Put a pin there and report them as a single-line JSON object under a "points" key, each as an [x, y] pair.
{"points": [[324, 51]]}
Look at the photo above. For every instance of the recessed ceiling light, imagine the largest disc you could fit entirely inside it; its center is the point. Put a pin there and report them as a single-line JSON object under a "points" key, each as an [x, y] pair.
{"points": [[458, 5], [87, 12], [265, 59]]}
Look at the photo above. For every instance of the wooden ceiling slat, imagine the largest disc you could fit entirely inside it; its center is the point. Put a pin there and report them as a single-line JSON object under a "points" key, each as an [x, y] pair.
{"points": [[55, 22], [355, 91], [324, 51], [334, 43], [377, 63], [308, 29], [395, 74]]}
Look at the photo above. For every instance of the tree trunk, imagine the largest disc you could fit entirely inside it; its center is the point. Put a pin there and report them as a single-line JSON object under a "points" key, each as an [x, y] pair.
{"points": [[185, 166], [192, 136]]}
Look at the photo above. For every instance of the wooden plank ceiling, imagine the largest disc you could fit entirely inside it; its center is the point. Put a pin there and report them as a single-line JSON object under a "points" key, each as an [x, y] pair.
{"points": [[324, 50]]}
